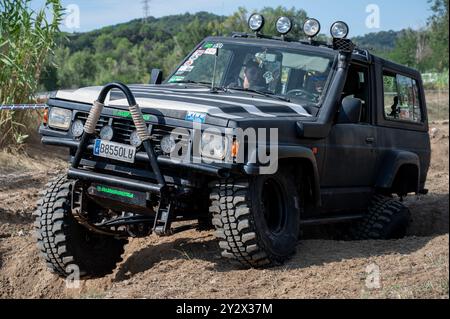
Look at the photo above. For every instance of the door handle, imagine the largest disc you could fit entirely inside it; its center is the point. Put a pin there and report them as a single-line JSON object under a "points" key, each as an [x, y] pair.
{"points": [[370, 140]]}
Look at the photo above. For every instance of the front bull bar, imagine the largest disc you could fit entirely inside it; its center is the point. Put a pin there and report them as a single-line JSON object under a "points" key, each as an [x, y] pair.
{"points": [[138, 120]]}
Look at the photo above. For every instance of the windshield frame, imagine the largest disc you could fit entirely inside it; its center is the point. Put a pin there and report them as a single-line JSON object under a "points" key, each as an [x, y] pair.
{"points": [[289, 46]]}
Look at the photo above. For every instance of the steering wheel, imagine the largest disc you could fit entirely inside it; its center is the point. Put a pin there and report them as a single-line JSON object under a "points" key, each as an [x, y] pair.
{"points": [[301, 92]]}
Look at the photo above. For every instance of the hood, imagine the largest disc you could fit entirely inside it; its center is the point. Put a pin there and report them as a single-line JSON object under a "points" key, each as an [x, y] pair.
{"points": [[191, 102]]}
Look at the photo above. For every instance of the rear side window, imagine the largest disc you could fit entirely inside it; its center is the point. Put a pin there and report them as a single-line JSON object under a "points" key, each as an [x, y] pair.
{"points": [[401, 98]]}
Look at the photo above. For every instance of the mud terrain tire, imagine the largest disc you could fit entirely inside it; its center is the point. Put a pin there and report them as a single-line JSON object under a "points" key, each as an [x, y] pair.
{"points": [[387, 218], [64, 243], [254, 228]]}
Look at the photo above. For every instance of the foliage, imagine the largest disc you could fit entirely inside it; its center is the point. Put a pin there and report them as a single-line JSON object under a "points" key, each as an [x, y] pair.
{"points": [[425, 49], [27, 38]]}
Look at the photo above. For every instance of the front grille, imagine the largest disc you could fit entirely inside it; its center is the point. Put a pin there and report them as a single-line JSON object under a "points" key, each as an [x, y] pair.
{"points": [[123, 128]]}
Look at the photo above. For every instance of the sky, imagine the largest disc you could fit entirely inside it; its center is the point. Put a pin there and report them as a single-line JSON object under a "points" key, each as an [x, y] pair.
{"points": [[393, 14]]}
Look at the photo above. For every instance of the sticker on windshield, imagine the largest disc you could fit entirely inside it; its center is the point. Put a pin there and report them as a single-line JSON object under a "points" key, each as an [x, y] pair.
{"points": [[208, 45], [211, 51], [185, 69], [218, 45], [196, 55], [188, 63], [268, 76], [176, 79]]}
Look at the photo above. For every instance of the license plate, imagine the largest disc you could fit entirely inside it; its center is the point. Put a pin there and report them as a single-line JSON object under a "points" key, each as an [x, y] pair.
{"points": [[116, 151]]}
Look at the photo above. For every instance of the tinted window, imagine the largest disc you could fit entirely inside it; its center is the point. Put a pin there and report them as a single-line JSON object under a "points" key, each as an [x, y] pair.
{"points": [[401, 98]]}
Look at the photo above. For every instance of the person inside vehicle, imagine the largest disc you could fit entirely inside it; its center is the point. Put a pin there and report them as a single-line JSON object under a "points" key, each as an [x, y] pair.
{"points": [[395, 109], [254, 76], [318, 83]]}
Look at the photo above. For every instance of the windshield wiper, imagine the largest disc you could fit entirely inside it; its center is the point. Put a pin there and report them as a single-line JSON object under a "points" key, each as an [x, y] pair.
{"points": [[193, 82], [263, 93]]}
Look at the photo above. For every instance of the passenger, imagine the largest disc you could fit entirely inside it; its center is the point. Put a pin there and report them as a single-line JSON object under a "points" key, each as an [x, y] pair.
{"points": [[395, 111]]}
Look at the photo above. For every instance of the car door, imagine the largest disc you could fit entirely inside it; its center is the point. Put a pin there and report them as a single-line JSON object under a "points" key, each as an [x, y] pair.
{"points": [[351, 157], [402, 118]]}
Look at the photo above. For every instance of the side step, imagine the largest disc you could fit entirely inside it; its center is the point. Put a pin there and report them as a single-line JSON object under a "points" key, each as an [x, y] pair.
{"points": [[330, 220]]}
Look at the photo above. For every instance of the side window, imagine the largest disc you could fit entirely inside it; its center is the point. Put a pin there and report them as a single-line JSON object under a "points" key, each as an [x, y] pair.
{"points": [[401, 98], [358, 86]]}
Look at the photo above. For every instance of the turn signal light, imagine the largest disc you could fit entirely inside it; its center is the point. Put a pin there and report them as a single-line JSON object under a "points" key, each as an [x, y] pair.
{"points": [[45, 117], [235, 149]]}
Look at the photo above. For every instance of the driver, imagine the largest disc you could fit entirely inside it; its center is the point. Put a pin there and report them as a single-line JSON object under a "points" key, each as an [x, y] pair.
{"points": [[318, 83], [254, 76]]}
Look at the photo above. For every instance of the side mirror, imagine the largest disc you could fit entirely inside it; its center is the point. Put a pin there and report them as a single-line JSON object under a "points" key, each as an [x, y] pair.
{"points": [[156, 76], [350, 111]]}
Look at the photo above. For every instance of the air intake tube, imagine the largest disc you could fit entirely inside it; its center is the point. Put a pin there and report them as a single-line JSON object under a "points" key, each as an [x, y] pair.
{"points": [[139, 122]]}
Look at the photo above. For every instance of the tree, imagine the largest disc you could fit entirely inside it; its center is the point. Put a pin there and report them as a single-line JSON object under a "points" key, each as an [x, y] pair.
{"points": [[438, 24]]}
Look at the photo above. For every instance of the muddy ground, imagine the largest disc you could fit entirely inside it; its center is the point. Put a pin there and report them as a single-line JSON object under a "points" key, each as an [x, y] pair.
{"points": [[188, 265]]}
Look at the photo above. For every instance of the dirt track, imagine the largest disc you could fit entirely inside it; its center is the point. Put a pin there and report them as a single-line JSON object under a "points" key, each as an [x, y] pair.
{"points": [[188, 265]]}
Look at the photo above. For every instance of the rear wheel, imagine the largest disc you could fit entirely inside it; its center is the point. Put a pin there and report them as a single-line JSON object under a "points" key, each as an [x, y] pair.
{"points": [[256, 220], [387, 218], [64, 243]]}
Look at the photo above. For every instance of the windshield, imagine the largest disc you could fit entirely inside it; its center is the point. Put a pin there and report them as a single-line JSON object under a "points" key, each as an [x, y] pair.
{"points": [[288, 73]]}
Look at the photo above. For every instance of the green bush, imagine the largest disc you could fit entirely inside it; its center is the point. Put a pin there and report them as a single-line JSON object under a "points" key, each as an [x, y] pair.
{"points": [[27, 39]]}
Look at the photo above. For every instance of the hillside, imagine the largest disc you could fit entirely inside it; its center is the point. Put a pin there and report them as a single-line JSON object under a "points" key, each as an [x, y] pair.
{"points": [[379, 41], [136, 31]]}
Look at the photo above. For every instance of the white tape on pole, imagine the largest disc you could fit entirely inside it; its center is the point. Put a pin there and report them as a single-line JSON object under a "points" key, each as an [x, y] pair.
{"points": [[18, 107]]}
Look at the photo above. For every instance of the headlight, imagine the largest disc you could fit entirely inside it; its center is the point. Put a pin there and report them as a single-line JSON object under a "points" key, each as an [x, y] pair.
{"points": [[284, 25], [311, 27], [106, 133], [77, 128], [256, 22], [135, 140], [339, 30], [59, 118], [214, 146]]}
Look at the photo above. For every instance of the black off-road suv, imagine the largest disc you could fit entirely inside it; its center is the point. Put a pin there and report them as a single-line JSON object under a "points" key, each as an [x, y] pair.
{"points": [[252, 135]]}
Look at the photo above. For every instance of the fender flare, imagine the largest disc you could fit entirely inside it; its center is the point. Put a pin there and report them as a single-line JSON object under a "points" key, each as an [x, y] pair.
{"points": [[293, 152], [391, 164]]}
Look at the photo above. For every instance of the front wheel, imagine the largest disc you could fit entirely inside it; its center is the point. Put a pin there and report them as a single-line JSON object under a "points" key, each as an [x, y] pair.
{"points": [[67, 246], [257, 219]]}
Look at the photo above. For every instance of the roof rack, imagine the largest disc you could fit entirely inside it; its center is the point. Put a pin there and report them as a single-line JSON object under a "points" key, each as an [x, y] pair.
{"points": [[341, 44]]}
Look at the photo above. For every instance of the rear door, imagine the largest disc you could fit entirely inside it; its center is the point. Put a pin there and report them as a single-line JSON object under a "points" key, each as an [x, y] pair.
{"points": [[401, 114]]}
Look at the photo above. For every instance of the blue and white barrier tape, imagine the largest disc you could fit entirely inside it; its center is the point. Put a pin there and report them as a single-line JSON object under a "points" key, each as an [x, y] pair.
{"points": [[14, 107]]}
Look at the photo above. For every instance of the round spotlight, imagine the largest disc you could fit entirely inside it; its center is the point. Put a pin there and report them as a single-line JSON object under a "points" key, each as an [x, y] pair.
{"points": [[256, 22], [311, 27], [284, 25], [339, 30], [168, 144], [77, 128], [135, 140], [106, 133]]}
